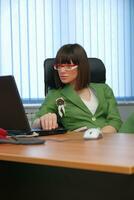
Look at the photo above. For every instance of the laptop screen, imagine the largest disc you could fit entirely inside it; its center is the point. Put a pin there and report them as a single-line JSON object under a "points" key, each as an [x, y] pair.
{"points": [[12, 113]]}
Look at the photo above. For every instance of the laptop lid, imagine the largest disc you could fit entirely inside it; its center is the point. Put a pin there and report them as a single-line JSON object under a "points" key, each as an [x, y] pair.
{"points": [[12, 113]]}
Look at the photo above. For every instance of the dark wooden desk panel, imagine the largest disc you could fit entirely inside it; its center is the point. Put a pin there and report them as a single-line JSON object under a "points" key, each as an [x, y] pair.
{"points": [[19, 181]]}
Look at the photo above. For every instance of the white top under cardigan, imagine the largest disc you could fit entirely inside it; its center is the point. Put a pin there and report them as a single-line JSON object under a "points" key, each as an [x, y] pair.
{"points": [[92, 104]]}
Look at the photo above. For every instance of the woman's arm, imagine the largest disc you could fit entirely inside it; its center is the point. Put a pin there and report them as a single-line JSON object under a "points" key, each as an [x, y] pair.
{"points": [[113, 116], [46, 117]]}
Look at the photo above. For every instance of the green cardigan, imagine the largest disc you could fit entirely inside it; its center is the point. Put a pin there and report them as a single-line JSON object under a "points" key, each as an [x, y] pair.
{"points": [[128, 125], [77, 114]]}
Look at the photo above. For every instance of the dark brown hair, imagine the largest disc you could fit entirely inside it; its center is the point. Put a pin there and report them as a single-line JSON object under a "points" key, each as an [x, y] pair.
{"points": [[76, 54]]}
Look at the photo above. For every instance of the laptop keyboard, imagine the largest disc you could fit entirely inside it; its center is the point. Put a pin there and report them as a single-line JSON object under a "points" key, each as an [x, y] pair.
{"points": [[41, 132], [50, 132]]}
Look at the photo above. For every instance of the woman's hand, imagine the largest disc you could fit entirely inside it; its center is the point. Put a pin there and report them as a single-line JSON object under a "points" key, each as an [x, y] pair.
{"points": [[108, 129], [48, 121]]}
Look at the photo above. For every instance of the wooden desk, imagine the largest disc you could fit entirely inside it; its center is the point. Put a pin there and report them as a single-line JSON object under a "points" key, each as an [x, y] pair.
{"points": [[68, 167], [112, 153]]}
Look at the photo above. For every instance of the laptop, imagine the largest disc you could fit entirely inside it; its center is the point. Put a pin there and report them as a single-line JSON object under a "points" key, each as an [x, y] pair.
{"points": [[12, 112]]}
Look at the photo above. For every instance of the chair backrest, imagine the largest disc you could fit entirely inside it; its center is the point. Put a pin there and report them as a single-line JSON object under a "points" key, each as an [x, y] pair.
{"points": [[97, 67]]}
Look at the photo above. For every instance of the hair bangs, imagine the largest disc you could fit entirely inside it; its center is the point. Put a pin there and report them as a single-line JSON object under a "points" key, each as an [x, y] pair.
{"points": [[66, 55]]}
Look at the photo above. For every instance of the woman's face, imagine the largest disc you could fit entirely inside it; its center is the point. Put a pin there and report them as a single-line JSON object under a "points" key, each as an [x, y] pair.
{"points": [[68, 73]]}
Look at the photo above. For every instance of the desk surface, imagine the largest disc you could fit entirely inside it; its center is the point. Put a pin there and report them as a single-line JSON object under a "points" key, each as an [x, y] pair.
{"points": [[113, 153]]}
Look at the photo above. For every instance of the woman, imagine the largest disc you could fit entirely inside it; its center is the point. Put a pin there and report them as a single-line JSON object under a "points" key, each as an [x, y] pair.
{"points": [[76, 102]]}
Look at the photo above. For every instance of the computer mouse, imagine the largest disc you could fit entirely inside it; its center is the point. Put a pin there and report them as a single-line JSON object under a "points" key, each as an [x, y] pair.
{"points": [[92, 133]]}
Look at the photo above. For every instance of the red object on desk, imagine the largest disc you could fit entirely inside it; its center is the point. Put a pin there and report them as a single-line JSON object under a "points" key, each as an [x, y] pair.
{"points": [[3, 133]]}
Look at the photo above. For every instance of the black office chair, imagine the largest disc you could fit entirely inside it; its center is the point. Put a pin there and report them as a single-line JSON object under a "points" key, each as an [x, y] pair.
{"points": [[97, 67]]}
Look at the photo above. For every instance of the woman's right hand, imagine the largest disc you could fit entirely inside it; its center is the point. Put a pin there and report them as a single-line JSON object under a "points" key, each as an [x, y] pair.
{"points": [[48, 121]]}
